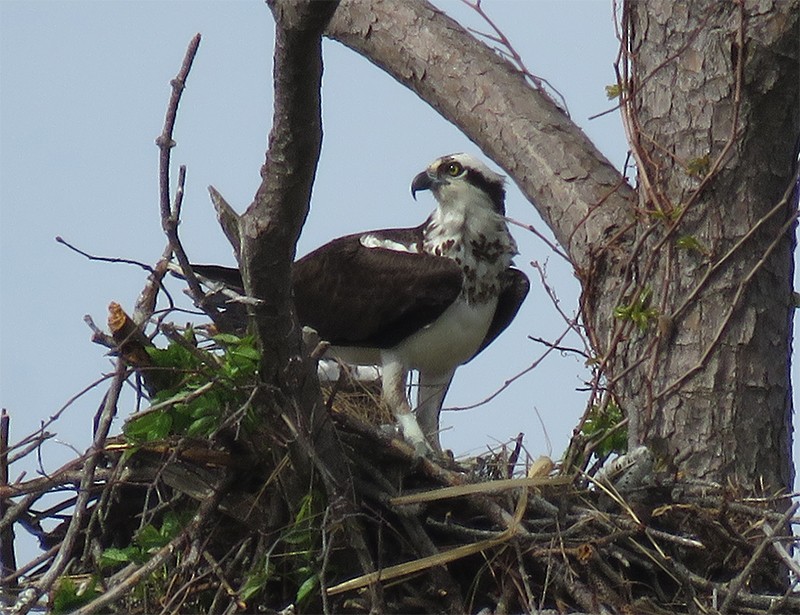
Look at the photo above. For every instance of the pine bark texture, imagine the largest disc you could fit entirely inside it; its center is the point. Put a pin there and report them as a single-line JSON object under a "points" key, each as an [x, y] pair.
{"points": [[714, 116], [705, 379]]}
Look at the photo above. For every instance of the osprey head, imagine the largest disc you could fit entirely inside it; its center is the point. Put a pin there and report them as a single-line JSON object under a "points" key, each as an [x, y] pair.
{"points": [[458, 177]]}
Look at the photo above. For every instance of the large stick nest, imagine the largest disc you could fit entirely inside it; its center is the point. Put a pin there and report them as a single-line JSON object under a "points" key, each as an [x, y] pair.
{"points": [[188, 524]]}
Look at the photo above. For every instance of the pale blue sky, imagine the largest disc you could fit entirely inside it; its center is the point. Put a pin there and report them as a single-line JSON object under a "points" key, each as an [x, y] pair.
{"points": [[84, 87]]}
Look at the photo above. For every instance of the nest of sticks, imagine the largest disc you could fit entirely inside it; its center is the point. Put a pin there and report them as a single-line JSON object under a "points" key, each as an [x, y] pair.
{"points": [[185, 524], [189, 525]]}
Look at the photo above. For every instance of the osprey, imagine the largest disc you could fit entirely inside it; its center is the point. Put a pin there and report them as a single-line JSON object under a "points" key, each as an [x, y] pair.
{"points": [[427, 298]]}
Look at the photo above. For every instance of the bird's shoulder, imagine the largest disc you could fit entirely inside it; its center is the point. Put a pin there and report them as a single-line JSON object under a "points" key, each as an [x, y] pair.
{"points": [[378, 254]]}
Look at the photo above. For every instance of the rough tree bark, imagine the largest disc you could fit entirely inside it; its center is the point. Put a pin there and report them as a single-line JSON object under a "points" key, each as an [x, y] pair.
{"points": [[710, 384], [713, 108]]}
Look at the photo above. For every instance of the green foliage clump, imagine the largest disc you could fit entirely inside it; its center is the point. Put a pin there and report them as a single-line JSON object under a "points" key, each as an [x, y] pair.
{"points": [[614, 91], [639, 311], [297, 564], [70, 595], [146, 541], [202, 390], [602, 428]]}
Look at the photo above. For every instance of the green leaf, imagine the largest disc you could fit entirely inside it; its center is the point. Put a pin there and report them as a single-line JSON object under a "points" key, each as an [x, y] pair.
{"points": [[639, 311], [306, 588], [240, 363], [69, 595], [170, 526], [227, 339], [247, 352], [181, 418], [302, 533], [204, 426], [206, 405], [149, 427], [613, 91], [173, 356], [114, 556], [256, 582], [299, 537], [241, 358], [149, 538], [600, 426]]}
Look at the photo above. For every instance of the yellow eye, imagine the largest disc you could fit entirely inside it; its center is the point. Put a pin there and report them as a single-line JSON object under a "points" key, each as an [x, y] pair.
{"points": [[454, 169]]}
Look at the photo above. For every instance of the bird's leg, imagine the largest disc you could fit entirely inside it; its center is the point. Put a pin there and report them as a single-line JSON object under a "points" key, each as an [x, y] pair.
{"points": [[394, 393], [430, 397]]}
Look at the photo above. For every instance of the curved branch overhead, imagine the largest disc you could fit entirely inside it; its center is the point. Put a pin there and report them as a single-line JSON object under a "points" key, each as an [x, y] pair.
{"points": [[580, 195]]}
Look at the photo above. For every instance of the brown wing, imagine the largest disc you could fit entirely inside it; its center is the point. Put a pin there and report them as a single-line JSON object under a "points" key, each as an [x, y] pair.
{"points": [[357, 296], [371, 297], [515, 289], [232, 278]]}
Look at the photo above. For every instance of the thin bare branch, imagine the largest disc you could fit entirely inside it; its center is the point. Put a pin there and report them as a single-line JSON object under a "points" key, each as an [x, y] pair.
{"points": [[64, 554], [170, 212]]}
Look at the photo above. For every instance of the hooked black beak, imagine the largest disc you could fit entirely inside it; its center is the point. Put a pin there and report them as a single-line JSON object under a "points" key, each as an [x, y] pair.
{"points": [[423, 181]]}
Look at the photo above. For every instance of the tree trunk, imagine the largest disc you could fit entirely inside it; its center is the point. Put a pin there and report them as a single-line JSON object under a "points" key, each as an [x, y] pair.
{"points": [[712, 112]]}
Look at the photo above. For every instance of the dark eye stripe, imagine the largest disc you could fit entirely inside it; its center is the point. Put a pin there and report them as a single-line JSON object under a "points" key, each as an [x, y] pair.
{"points": [[495, 190]]}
